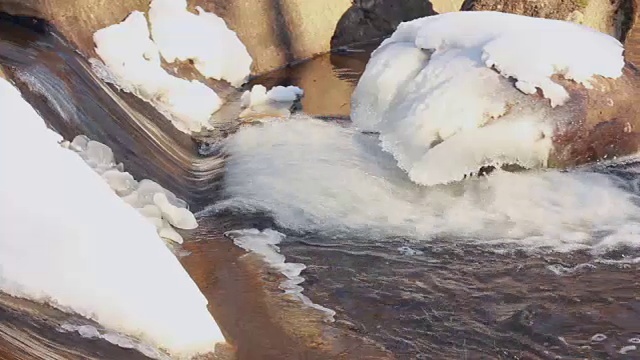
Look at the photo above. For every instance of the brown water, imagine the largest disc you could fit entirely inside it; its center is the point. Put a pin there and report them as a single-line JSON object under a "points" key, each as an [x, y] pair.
{"points": [[453, 301]]}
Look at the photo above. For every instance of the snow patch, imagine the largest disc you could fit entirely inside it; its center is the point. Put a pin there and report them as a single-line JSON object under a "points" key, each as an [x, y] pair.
{"points": [[265, 243], [441, 87], [216, 51], [67, 240], [158, 205], [276, 102], [132, 62]]}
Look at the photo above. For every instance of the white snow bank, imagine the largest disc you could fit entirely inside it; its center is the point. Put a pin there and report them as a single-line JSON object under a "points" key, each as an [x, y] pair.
{"points": [[432, 85], [67, 240], [312, 175], [158, 205], [133, 63], [265, 243], [275, 102], [216, 51]]}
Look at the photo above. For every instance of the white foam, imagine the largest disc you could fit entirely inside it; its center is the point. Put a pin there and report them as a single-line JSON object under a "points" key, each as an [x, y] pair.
{"points": [[265, 243], [133, 62], [432, 93], [66, 239], [216, 51], [317, 176]]}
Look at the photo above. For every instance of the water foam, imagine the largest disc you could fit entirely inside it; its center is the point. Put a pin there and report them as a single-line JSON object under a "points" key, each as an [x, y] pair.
{"points": [[318, 176]]}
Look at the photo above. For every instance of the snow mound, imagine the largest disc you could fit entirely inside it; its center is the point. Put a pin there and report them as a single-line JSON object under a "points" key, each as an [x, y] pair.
{"points": [[157, 204], [67, 240], [265, 243], [275, 102], [442, 87], [216, 51], [133, 62]]}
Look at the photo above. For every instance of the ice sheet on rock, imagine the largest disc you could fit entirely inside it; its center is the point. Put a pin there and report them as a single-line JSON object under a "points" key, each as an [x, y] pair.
{"points": [[67, 240], [133, 62], [265, 243], [434, 81], [216, 51]]}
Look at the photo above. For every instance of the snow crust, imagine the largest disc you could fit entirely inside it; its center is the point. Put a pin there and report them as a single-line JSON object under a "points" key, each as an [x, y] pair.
{"points": [[446, 86], [67, 240], [216, 51], [275, 102], [314, 176], [132, 61], [265, 244]]}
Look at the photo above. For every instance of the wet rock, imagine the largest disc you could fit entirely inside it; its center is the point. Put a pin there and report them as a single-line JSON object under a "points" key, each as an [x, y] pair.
{"points": [[607, 16]]}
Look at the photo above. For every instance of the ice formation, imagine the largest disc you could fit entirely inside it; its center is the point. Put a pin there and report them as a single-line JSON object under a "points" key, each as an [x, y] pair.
{"points": [[315, 176], [265, 243], [440, 91], [157, 204], [133, 62], [275, 102], [216, 51], [67, 240]]}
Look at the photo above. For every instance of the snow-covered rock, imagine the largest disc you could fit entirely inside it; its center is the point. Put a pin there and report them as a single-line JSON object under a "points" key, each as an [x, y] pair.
{"points": [[452, 93], [133, 62], [66, 239], [204, 38]]}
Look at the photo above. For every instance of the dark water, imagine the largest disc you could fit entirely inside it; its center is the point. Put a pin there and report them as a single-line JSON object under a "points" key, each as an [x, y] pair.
{"points": [[450, 301]]}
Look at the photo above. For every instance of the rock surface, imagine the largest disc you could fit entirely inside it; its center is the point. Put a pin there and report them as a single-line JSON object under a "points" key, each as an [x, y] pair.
{"points": [[276, 32], [374, 19], [605, 120], [607, 16]]}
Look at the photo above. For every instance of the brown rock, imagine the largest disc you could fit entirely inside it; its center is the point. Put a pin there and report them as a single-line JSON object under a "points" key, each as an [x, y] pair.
{"points": [[604, 121], [276, 32], [608, 16]]}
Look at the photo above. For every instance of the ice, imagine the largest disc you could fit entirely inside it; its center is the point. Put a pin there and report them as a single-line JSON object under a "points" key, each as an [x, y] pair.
{"points": [[316, 176], [121, 182], [276, 102], [216, 51], [133, 62], [448, 93], [66, 239], [265, 244], [178, 217], [627, 349]]}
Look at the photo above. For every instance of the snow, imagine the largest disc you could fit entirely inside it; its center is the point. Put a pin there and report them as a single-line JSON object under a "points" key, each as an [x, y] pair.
{"points": [[315, 176], [133, 62], [276, 102], [265, 244], [66, 239], [442, 87], [216, 51]]}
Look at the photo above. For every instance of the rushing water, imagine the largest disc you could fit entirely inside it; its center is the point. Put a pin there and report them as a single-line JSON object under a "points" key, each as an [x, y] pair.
{"points": [[532, 265]]}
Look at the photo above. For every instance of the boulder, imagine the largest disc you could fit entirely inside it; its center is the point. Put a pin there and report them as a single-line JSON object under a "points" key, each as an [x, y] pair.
{"points": [[374, 19], [607, 16], [275, 32]]}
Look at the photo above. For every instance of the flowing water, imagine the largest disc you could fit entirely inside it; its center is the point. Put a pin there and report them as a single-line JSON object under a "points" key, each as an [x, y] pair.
{"points": [[531, 265]]}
